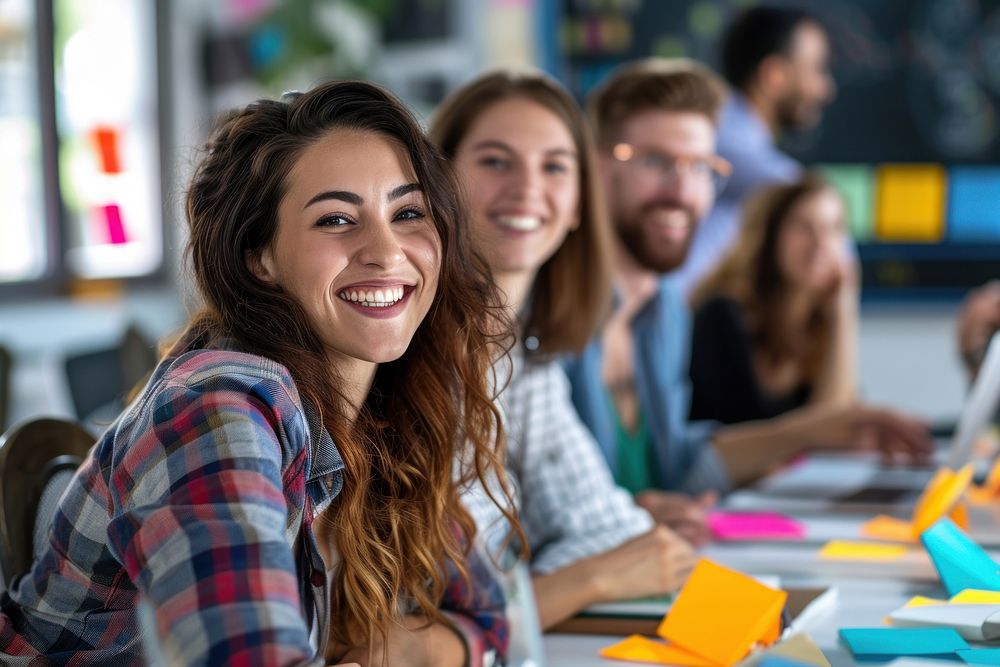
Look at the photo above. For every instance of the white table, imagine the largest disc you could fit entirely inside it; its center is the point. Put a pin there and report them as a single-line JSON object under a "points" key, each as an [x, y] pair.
{"points": [[867, 591]]}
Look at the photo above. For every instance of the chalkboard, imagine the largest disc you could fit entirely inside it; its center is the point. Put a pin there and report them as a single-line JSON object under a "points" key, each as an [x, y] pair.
{"points": [[918, 82]]}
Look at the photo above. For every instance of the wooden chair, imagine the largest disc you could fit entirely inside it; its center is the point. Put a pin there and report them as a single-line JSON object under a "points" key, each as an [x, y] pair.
{"points": [[37, 459]]}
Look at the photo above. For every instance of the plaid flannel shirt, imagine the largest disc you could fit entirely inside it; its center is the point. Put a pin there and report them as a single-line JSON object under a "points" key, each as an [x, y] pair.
{"points": [[570, 507], [200, 498]]}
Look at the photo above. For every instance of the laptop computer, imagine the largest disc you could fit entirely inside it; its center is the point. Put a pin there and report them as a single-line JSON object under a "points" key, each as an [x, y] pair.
{"points": [[852, 482]]}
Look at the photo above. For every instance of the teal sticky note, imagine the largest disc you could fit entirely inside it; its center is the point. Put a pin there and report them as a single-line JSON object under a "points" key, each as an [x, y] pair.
{"points": [[961, 562], [781, 661], [889, 643], [981, 656]]}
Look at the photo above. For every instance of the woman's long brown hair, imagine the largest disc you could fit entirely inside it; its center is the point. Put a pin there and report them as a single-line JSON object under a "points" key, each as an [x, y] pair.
{"points": [[571, 294], [394, 522], [751, 276]]}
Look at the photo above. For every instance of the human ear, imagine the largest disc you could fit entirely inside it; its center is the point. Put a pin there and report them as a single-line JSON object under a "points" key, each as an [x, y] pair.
{"points": [[261, 264]]}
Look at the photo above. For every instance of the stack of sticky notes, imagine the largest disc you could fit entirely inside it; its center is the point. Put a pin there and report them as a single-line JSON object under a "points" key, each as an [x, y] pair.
{"points": [[942, 497], [713, 598], [742, 526]]}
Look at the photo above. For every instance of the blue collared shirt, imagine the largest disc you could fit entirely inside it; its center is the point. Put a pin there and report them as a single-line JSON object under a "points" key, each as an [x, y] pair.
{"points": [[661, 332], [749, 146]]}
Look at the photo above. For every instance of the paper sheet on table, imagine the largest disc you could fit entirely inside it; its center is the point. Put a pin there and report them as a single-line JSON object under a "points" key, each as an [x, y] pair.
{"points": [[870, 551]]}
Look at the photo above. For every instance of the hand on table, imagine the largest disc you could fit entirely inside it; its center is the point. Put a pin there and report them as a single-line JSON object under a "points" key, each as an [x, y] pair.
{"points": [[686, 516]]}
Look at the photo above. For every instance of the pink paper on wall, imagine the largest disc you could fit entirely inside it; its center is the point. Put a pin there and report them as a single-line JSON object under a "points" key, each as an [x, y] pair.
{"points": [[116, 228], [754, 526]]}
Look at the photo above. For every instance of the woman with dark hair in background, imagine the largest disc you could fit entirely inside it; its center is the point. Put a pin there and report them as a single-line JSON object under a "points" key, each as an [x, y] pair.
{"points": [[775, 324], [524, 151], [282, 490]]}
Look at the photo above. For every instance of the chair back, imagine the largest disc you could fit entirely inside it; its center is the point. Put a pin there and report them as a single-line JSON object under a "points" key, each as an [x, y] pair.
{"points": [[6, 393], [37, 459]]}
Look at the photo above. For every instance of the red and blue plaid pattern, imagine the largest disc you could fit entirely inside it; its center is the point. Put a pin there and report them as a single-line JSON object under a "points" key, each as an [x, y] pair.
{"points": [[200, 498]]}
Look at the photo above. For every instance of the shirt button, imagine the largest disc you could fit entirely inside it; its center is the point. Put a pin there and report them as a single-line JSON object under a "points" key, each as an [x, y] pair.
{"points": [[318, 578]]}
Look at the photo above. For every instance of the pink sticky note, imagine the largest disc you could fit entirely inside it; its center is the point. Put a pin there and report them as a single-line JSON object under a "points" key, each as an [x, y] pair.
{"points": [[754, 526]]}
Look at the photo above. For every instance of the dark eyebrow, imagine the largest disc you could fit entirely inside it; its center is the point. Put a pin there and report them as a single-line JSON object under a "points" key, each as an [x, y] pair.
{"points": [[342, 195], [352, 198], [491, 143], [562, 151], [404, 190]]}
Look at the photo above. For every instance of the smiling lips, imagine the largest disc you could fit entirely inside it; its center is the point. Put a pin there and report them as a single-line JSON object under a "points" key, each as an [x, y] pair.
{"points": [[372, 297], [520, 223]]}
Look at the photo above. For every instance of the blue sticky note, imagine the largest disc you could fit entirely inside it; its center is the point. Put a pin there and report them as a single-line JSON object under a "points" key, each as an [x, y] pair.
{"points": [[780, 661], [889, 643], [974, 204], [981, 656], [961, 562]]}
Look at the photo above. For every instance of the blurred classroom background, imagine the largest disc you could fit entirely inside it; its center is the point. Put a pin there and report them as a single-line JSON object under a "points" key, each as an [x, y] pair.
{"points": [[103, 104]]}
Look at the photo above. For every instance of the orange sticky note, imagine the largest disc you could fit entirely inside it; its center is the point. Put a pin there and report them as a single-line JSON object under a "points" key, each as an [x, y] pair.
{"points": [[888, 528], [942, 497], [720, 614], [990, 489], [637, 648]]}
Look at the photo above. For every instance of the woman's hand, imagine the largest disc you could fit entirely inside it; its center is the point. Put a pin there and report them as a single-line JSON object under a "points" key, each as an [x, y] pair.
{"points": [[899, 437], [655, 563], [686, 516]]}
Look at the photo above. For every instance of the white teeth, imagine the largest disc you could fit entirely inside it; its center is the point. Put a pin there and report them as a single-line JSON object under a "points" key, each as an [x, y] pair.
{"points": [[523, 223], [375, 299]]}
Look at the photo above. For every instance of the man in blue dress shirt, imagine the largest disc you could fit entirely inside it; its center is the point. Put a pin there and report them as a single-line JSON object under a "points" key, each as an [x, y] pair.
{"points": [[776, 61]]}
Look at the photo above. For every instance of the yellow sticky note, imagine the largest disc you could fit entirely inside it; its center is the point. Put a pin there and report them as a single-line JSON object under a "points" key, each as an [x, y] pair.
{"points": [[716, 597], [637, 648], [847, 550], [921, 601], [910, 203], [973, 596]]}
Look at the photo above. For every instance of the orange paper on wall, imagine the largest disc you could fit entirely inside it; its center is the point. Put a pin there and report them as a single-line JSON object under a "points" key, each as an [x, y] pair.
{"points": [[721, 614], [107, 141], [942, 497]]}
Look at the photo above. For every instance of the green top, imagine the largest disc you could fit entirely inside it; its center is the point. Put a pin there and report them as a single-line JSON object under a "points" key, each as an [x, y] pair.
{"points": [[635, 470]]}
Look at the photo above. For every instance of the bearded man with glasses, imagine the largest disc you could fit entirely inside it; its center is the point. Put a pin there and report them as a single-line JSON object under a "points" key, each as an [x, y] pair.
{"points": [[655, 122]]}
